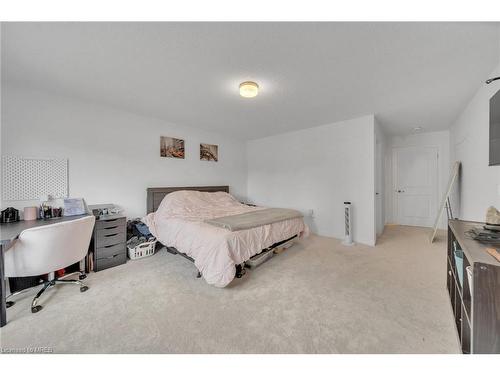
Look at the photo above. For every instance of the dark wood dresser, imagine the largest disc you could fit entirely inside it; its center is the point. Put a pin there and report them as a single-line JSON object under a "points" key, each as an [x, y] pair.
{"points": [[475, 298], [108, 246]]}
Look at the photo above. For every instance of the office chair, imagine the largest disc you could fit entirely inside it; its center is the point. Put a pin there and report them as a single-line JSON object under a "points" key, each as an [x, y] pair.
{"points": [[46, 249]]}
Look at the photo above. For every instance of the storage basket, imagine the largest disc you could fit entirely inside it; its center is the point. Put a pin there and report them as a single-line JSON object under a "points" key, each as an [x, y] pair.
{"points": [[142, 250]]}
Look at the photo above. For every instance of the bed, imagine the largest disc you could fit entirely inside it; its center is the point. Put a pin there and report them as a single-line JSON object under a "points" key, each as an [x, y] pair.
{"points": [[179, 217]]}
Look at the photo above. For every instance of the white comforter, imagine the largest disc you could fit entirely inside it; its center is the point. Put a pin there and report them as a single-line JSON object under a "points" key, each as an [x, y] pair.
{"points": [[178, 222]]}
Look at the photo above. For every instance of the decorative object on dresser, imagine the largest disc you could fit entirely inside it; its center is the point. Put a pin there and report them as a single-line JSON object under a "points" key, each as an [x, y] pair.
{"points": [[475, 298], [108, 245], [493, 217], [106, 209]]}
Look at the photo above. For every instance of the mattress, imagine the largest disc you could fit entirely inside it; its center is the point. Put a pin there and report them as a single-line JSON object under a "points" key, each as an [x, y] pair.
{"points": [[180, 222]]}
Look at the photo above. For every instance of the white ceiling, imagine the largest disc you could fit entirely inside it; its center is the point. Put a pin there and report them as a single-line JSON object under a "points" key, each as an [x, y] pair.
{"points": [[408, 74]]}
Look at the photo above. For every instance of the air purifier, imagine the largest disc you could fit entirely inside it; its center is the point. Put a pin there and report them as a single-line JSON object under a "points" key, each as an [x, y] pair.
{"points": [[348, 224]]}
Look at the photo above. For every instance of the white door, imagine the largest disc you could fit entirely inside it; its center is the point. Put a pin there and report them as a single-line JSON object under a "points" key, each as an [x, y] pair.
{"points": [[415, 177]]}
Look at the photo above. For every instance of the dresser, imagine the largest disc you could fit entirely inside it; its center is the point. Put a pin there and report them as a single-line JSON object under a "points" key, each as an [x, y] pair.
{"points": [[108, 246], [473, 282]]}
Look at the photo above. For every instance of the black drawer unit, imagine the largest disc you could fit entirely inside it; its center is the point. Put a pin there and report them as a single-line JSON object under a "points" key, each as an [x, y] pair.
{"points": [[108, 246]]}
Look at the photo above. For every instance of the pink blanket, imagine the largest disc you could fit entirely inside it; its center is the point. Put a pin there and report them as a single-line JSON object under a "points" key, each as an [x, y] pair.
{"points": [[179, 223]]}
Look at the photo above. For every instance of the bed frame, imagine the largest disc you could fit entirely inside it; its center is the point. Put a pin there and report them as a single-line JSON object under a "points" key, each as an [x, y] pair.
{"points": [[156, 195]]}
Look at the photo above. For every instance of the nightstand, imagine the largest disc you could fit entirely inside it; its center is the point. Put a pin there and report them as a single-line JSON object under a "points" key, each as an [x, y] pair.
{"points": [[109, 242]]}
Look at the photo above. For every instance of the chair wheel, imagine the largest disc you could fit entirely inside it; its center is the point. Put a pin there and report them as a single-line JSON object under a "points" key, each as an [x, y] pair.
{"points": [[36, 309], [9, 304], [84, 289], [82, 277]]}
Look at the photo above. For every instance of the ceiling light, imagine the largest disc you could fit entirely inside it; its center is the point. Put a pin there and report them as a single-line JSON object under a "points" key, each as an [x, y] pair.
{"points": [[249, 89], [417, 129]]}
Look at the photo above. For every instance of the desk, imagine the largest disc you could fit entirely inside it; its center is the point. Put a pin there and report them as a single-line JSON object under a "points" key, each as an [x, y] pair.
{"points": [[9, 232]]}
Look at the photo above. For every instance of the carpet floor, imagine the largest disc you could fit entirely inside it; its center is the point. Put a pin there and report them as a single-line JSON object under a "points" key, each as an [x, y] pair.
{"points": [[316, 297]]}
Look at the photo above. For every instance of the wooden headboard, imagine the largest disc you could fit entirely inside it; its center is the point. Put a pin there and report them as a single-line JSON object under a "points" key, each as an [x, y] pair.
{"points": [[156, 195]]}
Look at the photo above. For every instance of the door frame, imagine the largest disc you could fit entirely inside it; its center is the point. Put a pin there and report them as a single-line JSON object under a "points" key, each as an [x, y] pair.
{"points": [[379, 189], [394, 195]]}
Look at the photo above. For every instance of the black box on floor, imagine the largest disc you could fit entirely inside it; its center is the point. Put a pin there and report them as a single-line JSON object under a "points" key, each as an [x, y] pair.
{"points": [[19, 283]]}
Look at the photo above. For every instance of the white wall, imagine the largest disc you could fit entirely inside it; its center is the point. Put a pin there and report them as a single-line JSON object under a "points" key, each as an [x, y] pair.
{"points": [[319, 168], [113, 155], [441, 140], [479, 184]]}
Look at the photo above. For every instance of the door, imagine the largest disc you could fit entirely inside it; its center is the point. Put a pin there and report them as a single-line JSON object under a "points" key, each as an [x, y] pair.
{"points": [[415, 185]]}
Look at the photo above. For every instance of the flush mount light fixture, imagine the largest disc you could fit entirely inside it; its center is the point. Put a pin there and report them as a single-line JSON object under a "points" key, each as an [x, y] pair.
{"points": [[249, 89], [417, 129], [488, 81]]}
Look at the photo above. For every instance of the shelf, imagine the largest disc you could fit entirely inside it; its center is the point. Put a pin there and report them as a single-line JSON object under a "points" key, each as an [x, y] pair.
{"points": [[459, 288], [475, 307]]}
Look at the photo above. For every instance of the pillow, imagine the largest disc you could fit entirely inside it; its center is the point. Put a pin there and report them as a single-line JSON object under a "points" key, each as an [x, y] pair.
{"points": [[188, 204]]}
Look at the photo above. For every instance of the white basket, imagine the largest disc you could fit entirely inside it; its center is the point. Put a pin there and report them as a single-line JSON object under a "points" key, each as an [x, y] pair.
{"points": [[142, 250]]}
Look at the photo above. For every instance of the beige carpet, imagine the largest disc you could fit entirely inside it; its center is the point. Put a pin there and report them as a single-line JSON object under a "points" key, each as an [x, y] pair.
{"points": [[316, 297]]}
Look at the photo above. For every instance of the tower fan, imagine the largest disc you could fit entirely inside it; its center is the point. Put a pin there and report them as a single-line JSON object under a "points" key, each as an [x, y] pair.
{"points": [[348, 224]]}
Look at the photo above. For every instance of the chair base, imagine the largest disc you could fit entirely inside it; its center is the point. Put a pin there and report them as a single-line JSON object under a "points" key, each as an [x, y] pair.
{"points": [[35, 307]]}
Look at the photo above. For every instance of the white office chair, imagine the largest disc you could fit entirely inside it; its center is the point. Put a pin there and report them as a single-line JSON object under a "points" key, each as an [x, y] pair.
{"points": [[46, 249]]}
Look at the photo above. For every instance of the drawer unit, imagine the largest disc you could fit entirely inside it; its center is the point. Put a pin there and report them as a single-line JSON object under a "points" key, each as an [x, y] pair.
{"points": [[107, 251], [108, 246], [107, 239], [110, 222], [106, 232], [111, 261]]}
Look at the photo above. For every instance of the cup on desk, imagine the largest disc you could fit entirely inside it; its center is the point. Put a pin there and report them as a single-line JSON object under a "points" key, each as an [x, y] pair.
{"points": [[30, 213]]}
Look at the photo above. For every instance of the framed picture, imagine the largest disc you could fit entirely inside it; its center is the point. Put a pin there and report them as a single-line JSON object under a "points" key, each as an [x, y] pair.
{"points": [[209, 152], [172, 147]]}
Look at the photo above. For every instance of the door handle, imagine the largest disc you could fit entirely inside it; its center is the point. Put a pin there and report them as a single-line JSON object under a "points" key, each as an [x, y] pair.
{"points": [[400, 191]]}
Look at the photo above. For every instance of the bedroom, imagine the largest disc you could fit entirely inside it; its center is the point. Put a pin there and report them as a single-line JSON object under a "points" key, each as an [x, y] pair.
{"points": [[284, 179]]}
